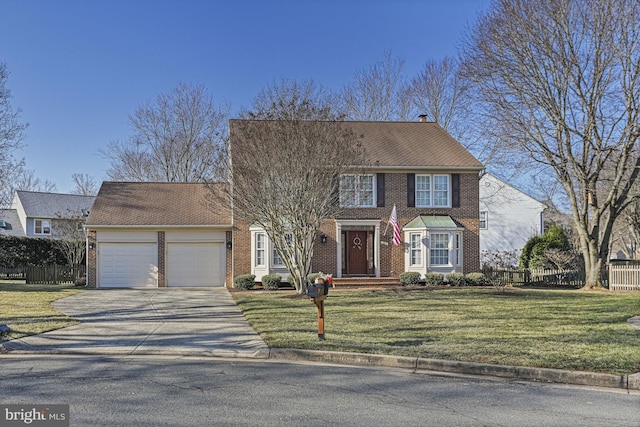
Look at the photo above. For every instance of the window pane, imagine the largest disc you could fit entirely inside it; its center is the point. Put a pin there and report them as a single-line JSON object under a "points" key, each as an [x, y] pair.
{"points": [[439, 253], [423, 190], [483, 220], [260, 246], [365, 192], [441, 190], [348, 190], [416, 249]]}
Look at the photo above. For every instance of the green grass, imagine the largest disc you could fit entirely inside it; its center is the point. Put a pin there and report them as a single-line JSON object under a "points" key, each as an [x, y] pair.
{"points": [[26, 309], [538, 328]]}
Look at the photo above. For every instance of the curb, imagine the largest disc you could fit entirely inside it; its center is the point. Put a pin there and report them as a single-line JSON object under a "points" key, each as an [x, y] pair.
{"points": [[560, 376], [629, 382]]}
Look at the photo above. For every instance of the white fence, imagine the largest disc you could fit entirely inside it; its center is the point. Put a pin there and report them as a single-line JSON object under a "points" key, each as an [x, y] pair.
{"points": [[623, 277]]}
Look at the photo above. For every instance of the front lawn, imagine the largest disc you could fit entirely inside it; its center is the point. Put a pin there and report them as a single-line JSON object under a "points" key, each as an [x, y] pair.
{"points": [[26, 309], [525, 327]]}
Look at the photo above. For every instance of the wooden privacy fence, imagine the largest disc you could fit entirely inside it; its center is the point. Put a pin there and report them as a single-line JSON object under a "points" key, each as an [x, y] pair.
{"points": [[538, 277], [624, 277], [54, 274]]}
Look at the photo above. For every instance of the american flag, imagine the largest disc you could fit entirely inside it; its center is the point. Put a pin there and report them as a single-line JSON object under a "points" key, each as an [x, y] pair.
{"points": [[393, 220]]}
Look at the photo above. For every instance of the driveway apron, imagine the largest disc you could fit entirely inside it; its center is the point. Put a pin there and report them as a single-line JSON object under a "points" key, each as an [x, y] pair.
{"points": [[188, 322]]}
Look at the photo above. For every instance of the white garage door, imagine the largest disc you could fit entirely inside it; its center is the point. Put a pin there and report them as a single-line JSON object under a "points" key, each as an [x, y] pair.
{"points": [[127, 265], [195, 264]]}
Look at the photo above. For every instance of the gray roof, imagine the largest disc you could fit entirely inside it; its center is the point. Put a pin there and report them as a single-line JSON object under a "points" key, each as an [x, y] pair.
{"points": [[10, 223], [53, 205]]}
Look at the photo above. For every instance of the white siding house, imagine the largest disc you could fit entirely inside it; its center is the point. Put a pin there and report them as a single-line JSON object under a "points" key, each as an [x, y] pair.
{"points": [[508, 217]]}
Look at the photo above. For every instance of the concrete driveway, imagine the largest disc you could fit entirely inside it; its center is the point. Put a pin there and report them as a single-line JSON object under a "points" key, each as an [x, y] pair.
{"points": [[189, 322]]}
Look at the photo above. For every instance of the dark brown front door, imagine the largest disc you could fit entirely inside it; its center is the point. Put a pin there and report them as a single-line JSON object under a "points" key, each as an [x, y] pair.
{"points": [[357, 257]]}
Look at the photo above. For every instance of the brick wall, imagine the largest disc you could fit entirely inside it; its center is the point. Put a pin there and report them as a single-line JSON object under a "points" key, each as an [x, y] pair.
{"points": [[161, 263], [91, 260], [391, 257]]}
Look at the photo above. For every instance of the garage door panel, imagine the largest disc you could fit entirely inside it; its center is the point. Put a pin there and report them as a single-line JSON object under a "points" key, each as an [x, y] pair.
{"points": [[127, 265], [195, 264]]}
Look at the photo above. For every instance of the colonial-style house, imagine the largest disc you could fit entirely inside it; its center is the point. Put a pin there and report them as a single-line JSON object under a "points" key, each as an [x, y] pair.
{"points": [[35, 214], [177, 234], [417, 167]]}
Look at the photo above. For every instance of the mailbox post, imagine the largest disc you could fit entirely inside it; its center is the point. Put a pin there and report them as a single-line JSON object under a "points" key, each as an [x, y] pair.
{"points": [[317, 293]]}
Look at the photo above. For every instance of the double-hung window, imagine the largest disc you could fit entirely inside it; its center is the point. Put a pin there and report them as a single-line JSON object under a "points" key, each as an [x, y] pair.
{"points": [[261, 247], [357, 191], [42, 226], [439, 249], [433, 191], [416, 249], [484, 216], [277, 260]]}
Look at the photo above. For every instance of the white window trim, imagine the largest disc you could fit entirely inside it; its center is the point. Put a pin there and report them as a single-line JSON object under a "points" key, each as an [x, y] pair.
{"points": [[357, 204], [432, 191], [449, 249], [263, 249], [419, 249], [484, 220], [42, 226]]}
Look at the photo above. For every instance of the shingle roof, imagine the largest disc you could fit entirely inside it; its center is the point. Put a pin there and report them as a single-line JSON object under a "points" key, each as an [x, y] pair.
{"points": [[10, 223], [408, 145], [52, 205], [160, 203], [412, 144]]}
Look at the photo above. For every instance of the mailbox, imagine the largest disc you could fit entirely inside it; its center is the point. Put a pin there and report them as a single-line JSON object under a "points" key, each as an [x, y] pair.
{"points": [[316, 290]]}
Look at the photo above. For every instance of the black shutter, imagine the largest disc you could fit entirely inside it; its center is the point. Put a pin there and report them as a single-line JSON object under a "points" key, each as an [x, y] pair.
{"points": [[380, 189], [455, 190], [411, 190]]}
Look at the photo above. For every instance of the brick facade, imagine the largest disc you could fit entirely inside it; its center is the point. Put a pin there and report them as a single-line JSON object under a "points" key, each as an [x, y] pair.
{"points": [[392, 258], [162, 283], [91, 259]]}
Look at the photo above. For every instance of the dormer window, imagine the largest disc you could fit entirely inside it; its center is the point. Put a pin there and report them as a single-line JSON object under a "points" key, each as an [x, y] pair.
{"points": [[42, 227]]}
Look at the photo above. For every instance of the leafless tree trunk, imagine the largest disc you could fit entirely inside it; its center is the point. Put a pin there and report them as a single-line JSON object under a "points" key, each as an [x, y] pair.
{"points": [[179, 138], [561, 80], [379, 93]]}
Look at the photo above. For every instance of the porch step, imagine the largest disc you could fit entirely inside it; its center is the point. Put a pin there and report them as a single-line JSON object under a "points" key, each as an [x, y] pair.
{"points": [[365, 281]]}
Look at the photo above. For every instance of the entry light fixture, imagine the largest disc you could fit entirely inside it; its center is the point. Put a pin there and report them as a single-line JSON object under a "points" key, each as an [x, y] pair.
{"points": [[229, 244], [323, 238]]}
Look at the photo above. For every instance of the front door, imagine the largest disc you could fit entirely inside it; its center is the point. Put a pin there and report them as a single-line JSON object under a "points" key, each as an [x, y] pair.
{"points": [[357, 253]]}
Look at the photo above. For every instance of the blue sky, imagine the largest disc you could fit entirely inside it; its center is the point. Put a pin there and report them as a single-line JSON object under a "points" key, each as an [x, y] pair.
{"points": [[79, 68]]}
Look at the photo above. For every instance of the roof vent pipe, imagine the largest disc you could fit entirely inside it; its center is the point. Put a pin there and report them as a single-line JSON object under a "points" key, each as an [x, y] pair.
{"points": [[423, 118]]}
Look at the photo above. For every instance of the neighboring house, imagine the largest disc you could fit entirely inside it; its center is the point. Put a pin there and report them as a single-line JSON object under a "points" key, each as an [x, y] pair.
{"points": [[177, 234], [143, 234], [10, 223], [35, 214], [508, 219], [416, 166]]}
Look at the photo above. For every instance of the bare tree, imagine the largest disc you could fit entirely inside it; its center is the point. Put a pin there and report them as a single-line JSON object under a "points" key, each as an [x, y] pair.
{"points": [[11, 134], [379, 93], [70, 236], [560, 79], [85, 184], [284, 179], [293, 100], [179, 138], [26, 179]]}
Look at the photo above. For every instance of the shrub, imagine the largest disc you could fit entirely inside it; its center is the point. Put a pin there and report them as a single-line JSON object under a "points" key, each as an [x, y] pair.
{"points": [[476, 279], [271, 282], [410, 278], [311, 278], [82, 281], [456, 279], [244, 281], [434, 279]]}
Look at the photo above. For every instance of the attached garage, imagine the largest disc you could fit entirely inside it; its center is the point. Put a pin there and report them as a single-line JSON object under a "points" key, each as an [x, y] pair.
{"points": [[195, 264], [128, 265], [155, 235]]}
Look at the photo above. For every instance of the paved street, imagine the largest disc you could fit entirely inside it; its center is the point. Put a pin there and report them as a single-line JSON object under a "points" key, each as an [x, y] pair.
{"points": [[172, 391]]}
